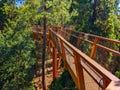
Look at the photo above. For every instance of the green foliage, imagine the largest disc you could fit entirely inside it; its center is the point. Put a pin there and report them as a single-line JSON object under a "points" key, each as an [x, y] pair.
{"points": [[16, 48], [98, 18], [2, 15], [57, 12], [117, 73], [83, 11], [64, 82]]}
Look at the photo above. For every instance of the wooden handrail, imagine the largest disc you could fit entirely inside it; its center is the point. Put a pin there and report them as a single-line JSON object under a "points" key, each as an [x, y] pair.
{"points": [[84, 56], [108, 78], [80, 60], [95, 44], [99, 37]]}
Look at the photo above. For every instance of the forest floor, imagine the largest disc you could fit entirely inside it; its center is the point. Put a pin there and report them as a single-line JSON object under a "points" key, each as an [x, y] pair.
{"points": [[49, 76]]}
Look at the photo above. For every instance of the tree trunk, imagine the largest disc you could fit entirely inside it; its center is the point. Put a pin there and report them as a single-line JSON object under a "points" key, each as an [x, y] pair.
{"points": [[44, 55]]}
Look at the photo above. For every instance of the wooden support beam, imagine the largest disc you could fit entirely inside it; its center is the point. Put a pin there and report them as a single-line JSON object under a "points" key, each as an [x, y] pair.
{"points": [[94, 48], [79, 71], [55, 73], [63, 54], [79, 40], [58, 62]]}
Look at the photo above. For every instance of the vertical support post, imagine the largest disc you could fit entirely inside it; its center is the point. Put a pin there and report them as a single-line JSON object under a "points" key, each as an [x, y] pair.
{"points": [[34, 35], [58, 63], [55, 73], [79, 71], [94, 48], [63, 54], [48, 44], [61, 32], [79, 40], [64, 34], [49, 39]]}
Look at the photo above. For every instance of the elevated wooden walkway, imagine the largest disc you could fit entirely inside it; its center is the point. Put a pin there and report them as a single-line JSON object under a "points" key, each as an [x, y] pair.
{"points": [[85, 71]]}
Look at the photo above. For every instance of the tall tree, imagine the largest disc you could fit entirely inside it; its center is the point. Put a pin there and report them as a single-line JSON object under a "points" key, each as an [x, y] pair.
{"points": [[16, 57], [16, 46], [99, 17], [96, 16], [57, 12]]}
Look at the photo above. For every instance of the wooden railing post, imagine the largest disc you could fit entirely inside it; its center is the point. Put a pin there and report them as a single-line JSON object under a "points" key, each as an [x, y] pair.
{"points": [[79, 40], [94, 48], [50, 44], [63, 53], [54, 55], [79, 71], [55, 73]]}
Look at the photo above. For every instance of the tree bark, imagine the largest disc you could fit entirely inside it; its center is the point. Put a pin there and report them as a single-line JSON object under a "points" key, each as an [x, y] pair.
{"points": [[44, 53]]}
